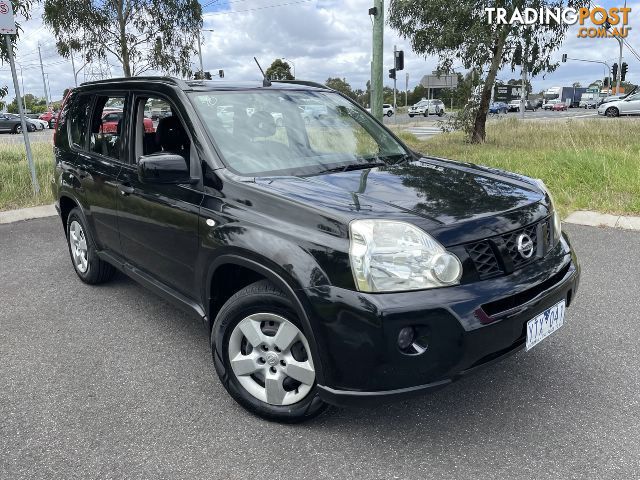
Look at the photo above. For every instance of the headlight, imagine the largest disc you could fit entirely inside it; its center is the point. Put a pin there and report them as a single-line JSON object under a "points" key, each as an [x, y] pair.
{"points": [[389, 256], [555, 216]]}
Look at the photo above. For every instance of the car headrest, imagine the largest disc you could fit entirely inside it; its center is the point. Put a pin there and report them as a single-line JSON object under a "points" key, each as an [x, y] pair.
{"points": [[262, 124], [170, 135]]}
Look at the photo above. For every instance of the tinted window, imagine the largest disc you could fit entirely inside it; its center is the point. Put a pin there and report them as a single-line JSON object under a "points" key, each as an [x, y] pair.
{"points": [[79, 121], [106, 126]]}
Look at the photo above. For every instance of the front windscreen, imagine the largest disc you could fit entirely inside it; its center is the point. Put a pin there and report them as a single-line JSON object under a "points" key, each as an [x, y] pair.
{"points": [[287, 132]]}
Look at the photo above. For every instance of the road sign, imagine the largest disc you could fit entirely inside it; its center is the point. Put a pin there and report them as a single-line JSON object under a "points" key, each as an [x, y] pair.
{"points": [[7, 22]]}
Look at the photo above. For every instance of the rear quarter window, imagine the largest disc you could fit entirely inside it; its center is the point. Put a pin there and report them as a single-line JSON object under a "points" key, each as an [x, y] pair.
{"points": [[77, 120]]}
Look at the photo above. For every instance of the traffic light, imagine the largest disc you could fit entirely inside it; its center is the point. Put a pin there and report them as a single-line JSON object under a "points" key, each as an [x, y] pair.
{"points": [[623, 71], [615, 71], [399, 63], [221, 73], [606, 82], [564, 58], [392, 73], [207, 75]]}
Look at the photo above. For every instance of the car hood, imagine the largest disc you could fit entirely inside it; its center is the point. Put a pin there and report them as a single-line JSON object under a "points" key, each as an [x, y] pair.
{"points": [[435, 194]]}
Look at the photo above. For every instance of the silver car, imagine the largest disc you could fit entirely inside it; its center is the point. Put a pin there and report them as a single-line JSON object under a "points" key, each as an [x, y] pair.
{"points": [[427, 107]]}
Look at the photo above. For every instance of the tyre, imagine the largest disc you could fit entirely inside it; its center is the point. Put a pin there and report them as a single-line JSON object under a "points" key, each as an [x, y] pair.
{"points": [[612, 112], [440, 113], [426, 113], [262, 356], [17, 128], [389, 113], [89, 267], [410, 116]]}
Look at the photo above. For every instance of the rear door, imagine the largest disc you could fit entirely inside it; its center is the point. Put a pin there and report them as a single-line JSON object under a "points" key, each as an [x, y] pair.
{"points": [[99, 158], [631, 104], [159, 223]]}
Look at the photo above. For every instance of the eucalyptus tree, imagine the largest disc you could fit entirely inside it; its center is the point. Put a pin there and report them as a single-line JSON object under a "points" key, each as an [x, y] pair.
{"points": [[141, 34], [463, 34], [279, 70]]}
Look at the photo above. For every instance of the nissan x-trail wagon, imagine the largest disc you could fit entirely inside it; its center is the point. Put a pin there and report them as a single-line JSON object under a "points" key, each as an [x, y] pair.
{"points": [[329, 262]]}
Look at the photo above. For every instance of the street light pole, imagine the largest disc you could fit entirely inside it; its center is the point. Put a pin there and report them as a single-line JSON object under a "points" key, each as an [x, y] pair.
{"points": [[200, 49]]}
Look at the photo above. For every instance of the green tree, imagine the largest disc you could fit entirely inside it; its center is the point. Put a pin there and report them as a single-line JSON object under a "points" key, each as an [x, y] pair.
{"points": [[279, 70], [340, 85], [21, 9], [465, 35], [142, 34]]}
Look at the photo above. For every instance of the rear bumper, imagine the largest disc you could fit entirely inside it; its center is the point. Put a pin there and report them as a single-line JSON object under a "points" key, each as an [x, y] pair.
{"points": [[467, 327]]}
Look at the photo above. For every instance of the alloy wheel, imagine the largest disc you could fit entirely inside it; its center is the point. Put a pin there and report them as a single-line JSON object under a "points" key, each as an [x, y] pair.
{"points": [[270, 357], [78, 244]]}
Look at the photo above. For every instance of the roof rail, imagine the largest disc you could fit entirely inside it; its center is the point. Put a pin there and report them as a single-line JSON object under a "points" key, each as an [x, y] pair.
{"points": [[308, 83], [176, 81]]}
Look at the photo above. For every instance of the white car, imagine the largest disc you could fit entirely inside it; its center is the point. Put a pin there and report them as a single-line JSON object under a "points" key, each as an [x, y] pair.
{"points": [[427, 107], [38, 124], [387, 110], [628, 106]]}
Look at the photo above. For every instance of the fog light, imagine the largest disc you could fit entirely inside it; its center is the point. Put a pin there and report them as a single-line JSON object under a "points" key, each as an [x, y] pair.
{"points": [[406, 337]]}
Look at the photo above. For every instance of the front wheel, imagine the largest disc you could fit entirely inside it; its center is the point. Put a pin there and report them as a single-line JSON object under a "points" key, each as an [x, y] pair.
{"points": [[440, 113], [426, 113], [389, 113], [17, 129], [410, 116], [612, 112], [262, 355]]}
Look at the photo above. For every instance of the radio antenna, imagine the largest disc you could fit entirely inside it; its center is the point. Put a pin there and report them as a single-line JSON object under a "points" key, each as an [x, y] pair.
{"points": [[265, 80]]}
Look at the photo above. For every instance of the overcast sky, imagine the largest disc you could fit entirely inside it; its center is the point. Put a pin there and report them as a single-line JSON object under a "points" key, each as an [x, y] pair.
{"points": [[322, 38]]}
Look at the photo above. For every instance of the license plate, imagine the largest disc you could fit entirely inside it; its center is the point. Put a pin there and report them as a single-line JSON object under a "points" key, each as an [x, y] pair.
{"points": [[545, 324]]}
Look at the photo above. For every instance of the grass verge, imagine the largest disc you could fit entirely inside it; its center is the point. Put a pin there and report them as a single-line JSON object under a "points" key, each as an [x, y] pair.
{"points": [[587, 164], [15, 179]]}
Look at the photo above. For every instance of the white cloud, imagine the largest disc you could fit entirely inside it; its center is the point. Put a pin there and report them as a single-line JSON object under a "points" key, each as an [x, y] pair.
{"points": [[322, 38]]}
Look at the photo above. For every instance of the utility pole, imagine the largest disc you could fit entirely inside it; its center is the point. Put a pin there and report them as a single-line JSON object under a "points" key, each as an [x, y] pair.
{"points": [[200, 56], [376, 64], [406, 90], [523, 93], [395, 76], [44, 83], [73, 65]]}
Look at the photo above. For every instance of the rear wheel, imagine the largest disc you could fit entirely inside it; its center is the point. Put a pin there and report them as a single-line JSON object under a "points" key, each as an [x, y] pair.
{"points": [[389, 113], [612, 112], [262, 356], [17, 129], [89, 267]]}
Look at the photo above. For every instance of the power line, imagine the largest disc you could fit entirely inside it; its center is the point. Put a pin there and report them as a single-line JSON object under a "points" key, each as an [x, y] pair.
{"points": [[260, 8]]}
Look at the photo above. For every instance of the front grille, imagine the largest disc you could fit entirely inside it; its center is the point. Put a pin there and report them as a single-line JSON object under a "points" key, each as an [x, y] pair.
{"points": [[499, 255]]}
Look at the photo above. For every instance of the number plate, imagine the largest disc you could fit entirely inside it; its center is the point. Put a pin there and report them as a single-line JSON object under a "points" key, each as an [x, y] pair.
{"points": [[545, 324]]}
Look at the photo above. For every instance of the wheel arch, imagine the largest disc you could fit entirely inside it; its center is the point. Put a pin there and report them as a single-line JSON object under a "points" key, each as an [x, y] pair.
{"points": [[258, 271]]}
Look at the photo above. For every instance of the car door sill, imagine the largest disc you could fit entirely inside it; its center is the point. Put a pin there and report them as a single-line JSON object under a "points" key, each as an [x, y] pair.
{"points": [[154, 285]]}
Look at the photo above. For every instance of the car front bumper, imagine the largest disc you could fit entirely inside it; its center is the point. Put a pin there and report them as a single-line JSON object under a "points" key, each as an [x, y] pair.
{"points": [[467, 326]]}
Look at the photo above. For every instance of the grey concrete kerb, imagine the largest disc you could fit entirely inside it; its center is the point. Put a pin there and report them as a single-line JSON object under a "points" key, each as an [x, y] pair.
{"points": [[11, 216], [595, 219]]}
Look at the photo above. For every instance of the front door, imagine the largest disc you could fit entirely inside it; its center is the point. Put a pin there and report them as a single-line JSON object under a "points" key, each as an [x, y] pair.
{"points": [[159, 223]]}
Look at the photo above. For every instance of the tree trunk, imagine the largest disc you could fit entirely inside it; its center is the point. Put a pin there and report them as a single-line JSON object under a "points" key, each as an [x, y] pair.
{"points": [[124, 48], [479, 134]]}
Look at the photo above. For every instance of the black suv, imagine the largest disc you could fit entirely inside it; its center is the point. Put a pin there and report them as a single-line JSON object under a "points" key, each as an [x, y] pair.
{"points": [[329, 262]]}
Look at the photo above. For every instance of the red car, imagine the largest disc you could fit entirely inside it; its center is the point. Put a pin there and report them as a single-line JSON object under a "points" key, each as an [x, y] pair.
{"points": [[559, 107], [110, 122], [46, 116]]}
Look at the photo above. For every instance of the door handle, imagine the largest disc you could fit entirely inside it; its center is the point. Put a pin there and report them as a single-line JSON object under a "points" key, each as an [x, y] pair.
{"points": [[126, 190]]}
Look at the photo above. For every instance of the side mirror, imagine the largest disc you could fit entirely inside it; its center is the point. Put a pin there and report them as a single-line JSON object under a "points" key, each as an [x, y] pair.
{"points": [[163, 167]]}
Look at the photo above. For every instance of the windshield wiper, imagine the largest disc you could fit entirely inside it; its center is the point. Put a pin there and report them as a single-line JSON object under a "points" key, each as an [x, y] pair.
{"points": [[354, 166]]}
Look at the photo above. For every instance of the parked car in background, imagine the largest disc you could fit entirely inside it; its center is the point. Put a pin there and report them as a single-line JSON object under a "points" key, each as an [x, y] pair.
{"points": [[498, 107], [589, 103], [327, 266], [630, 105], [110, 121], [427, 107], [37, 124], [548, 105], [559, 107], [387, 110], [40, 124], [514, 106], [47, 116], [11, 123]]}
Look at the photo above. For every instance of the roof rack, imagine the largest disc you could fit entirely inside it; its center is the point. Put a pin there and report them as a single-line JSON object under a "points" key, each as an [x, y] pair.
{"points": [[176, 81], [308, 83]]}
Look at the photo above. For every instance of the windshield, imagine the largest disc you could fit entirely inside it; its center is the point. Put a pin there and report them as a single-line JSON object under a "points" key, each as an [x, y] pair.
{"points": [[281, 132]]}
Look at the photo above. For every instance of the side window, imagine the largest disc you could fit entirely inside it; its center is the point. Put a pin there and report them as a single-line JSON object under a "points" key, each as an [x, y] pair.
{"points": [[159, 129], [78, 116], [107, 126]]}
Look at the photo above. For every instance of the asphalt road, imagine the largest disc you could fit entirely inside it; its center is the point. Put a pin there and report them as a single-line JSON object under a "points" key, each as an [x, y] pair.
{"points": [[112, 382]]}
